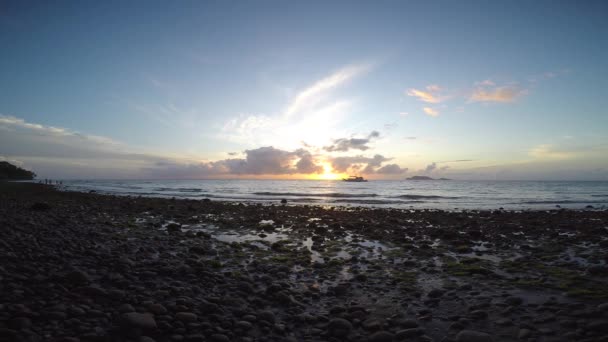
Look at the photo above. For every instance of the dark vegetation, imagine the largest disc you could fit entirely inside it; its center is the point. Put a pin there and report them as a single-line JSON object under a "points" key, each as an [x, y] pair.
{"points": [[9, 171]]}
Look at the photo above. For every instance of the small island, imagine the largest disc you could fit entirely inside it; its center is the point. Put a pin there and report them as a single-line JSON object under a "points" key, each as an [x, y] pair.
{"points": [[425, 178], [9, 171]]}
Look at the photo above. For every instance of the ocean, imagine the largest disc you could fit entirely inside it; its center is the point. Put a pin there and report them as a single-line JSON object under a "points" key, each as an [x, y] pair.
{"points": [[404, 194]]}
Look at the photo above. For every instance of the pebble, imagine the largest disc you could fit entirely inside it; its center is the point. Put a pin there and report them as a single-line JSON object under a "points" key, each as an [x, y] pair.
{"points": [[339, 327], [219, 338], [138, 320], [381, 336], [186, 316], [473, 336], [407, 333]]}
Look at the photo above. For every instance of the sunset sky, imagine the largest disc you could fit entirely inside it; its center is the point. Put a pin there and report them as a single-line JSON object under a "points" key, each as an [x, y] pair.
{"points": [[305, 89]]}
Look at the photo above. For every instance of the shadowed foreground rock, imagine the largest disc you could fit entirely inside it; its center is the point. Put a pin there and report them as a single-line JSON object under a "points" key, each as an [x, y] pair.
{"points": [[101, 268]]}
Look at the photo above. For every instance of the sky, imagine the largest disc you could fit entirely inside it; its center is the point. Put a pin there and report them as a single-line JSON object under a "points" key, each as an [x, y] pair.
{"points": [[506, 90]]}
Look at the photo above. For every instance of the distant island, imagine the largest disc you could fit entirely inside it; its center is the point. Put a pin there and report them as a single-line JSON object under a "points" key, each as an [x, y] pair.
{"points": [[426, 178], [9, 171]]}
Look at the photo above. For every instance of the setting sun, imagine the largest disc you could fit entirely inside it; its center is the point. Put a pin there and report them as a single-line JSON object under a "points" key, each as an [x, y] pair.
{"points": [[328, 173]]}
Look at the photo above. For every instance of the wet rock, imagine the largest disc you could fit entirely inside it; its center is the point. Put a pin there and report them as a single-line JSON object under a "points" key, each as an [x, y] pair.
{"points": [[381, 336], [174, 228], [93, 291], [157, 309], [478, 314], [372, 324], [408, 323], [267, 316], [219, 338], [186, 316], [40, 206], [514, 301], [125, 308], [339, 327], [195, 338], [20, 323], [77, 277], [134, 320], [435, 293], [598, 326], [243, 325], [524, 334], [473, 336], [408, 333]]}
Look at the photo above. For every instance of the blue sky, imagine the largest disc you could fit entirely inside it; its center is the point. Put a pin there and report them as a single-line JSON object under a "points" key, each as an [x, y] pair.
{"points": [[144, 89]]}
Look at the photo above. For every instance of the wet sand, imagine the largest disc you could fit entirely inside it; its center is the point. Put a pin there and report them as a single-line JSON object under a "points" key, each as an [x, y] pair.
{"points": [[88, 267]]}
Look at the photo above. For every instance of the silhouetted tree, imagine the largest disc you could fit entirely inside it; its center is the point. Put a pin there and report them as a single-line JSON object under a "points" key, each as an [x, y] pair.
{"points": [[10, 171]]}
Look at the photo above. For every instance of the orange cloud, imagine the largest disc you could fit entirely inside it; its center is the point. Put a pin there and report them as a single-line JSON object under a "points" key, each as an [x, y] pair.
{"points": [[430, 111], [431, 95], [504, 94]]}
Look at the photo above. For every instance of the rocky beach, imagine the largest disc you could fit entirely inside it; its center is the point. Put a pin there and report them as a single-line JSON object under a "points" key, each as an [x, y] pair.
{"points": [[90, 267]]}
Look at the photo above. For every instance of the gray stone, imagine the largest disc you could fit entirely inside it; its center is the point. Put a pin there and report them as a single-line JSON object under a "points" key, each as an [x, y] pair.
{"points": [[599, 325], [435, 293], [243, 325], [126, 308], [157, 309], [267, 316], [514, 301], [381, 336], [524, 334], [473, 336], [134, 320], [186, 316], [219, 338], [339, 327], [407, 333]]}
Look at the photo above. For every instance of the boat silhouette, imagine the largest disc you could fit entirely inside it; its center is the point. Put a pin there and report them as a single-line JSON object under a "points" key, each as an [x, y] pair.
{"points": [[354, 179]]}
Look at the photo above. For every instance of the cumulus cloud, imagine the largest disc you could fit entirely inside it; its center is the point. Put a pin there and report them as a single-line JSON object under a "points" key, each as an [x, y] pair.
{"points": [[344, 144], [391, 169], [271, 161], [487, 91], [431, 111], [59, 153], [358, 164], [430, 168]]}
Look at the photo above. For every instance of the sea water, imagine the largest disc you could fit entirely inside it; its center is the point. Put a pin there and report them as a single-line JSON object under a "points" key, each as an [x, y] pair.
{"points": [[404, 194]]}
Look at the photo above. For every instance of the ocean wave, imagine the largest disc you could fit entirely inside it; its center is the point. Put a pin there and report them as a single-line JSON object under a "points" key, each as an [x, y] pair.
{"points": [[300, 194], [179, 189], [561, 202], [423, 197], [371, 201]]}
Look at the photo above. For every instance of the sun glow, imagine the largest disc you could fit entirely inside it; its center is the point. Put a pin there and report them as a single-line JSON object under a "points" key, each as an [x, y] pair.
{"points": [[328, 173]]}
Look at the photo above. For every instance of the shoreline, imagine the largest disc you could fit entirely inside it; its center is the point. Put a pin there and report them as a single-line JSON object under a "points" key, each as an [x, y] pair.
{"points": [[93, 267]]}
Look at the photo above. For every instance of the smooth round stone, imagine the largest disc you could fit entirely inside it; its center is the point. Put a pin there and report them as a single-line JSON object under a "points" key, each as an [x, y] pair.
{"points": [[339, 327], [138, 320], [243, 325], [381, 336], [219, 338], [185, 316], [473, 336]]}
